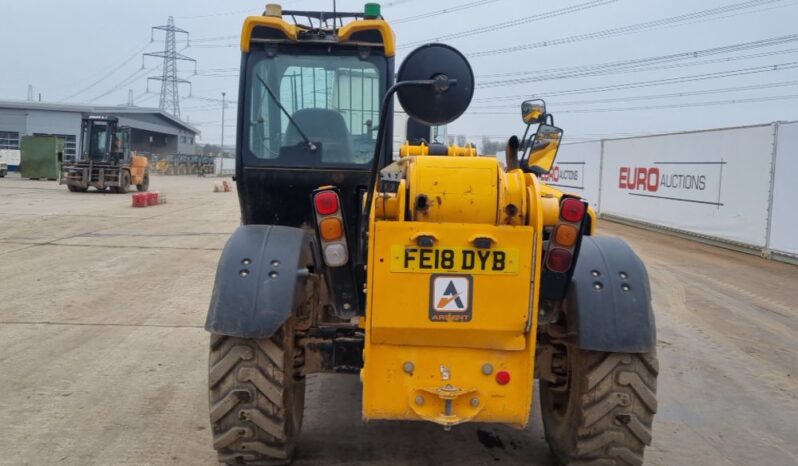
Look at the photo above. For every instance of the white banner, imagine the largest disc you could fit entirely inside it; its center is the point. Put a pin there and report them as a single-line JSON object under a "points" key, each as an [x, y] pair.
{"points": [[576, 171], [11, 157], [225, 166], [712, 183], [784, 219]]}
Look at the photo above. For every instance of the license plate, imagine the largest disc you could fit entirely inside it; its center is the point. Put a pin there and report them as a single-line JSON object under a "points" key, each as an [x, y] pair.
{"points": [[461, 260]]}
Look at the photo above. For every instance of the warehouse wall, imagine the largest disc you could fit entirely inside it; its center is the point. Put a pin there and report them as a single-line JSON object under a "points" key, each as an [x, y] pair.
{"points": [[13, 120], [40, 121]]}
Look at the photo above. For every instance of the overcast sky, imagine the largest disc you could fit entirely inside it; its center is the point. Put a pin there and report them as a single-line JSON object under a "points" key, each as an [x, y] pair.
{"points": [[89, 51]]}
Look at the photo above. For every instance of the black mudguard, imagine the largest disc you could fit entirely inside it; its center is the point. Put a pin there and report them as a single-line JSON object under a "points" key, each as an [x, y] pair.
{"points": [[260, 280], [609, 301]]}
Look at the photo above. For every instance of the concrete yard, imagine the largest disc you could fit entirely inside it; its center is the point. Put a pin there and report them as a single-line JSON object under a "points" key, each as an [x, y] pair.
{"points": [[103, 359]]}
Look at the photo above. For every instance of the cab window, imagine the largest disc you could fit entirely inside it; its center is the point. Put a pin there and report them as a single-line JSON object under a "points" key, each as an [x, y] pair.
{"points": [[333, 100]]}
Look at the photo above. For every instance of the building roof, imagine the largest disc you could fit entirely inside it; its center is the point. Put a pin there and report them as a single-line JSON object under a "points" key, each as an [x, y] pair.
{"points": [[80, 108]]}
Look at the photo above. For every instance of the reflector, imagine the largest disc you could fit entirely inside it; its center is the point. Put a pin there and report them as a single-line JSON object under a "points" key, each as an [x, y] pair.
{"points": [[559, 260], [502, 377]]}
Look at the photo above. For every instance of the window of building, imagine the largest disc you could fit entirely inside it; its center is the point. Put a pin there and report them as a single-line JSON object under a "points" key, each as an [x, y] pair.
{"points": [[70, 143], [9, 140]]}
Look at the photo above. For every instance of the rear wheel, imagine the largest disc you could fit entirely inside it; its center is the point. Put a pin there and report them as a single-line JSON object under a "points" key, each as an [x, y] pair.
{"points": [[602, 408], [145, 184], [257, 397]]}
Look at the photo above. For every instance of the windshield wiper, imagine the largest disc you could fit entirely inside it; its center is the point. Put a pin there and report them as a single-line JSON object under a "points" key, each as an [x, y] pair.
{"points": [[311, 146]]}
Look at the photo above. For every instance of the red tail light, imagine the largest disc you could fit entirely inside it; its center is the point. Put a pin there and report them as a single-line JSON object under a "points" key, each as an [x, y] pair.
{"points": [[559, 260], [326, 202], [572, 210]]}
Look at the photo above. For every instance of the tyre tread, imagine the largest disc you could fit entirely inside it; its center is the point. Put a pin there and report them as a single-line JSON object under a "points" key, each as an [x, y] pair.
{"points": [[247, 395], [611, 420]]}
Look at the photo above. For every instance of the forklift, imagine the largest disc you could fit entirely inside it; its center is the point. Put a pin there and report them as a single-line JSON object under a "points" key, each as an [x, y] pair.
{"points": [[105, 160]]}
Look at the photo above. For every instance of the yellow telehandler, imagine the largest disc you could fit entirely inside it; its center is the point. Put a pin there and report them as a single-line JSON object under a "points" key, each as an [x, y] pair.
{"points": [[447, 283]]}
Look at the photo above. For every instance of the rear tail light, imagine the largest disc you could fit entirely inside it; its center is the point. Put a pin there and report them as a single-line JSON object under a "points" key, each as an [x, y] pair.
{"points": [[331, 229], [330, 226], [326, 202], [562, 248], [335, 255], [572, 210], [559, 260], [566, 235]]}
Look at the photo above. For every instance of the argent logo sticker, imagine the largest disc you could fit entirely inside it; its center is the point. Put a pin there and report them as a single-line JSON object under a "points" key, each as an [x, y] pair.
{"points": [[450, 298]]}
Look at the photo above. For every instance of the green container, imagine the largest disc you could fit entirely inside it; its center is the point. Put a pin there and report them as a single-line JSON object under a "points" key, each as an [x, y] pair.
{"points": [[41, 157]]}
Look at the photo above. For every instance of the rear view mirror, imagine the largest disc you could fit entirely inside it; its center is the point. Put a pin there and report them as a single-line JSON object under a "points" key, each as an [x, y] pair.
{"points": [[447, 100], [544, 149], [533, 111]]}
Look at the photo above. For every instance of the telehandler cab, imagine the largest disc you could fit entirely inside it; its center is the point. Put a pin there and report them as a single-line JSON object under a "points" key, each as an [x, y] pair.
{"points": [[445, 282], [105, 159]]}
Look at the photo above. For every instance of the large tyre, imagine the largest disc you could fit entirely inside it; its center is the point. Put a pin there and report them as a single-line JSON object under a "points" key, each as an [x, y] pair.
{"points": [[145, 184], [603, 411], [74, 189], [124, 183], [257, 398]]}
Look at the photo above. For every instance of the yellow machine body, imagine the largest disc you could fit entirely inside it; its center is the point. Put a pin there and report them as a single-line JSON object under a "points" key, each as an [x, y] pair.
{"points": [[138, 168], [478, 237]]}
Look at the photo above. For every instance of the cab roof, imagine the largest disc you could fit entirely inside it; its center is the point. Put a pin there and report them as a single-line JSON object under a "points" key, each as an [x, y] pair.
{"points": [[318, 27]]}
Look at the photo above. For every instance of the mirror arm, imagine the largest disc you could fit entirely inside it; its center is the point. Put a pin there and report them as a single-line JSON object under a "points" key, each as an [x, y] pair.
{"points": [[524, 145], [441, 84]]}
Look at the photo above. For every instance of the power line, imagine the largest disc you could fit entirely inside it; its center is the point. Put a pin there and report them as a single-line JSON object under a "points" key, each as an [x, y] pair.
{"points": [[633, 28], [215, 15], [129, 79], [249, 11], [513, 82], [661, 107], [654, 82], [568, 71], [213, 39], [444, 11], [109, 73], [672, 95], [512, 23]]}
